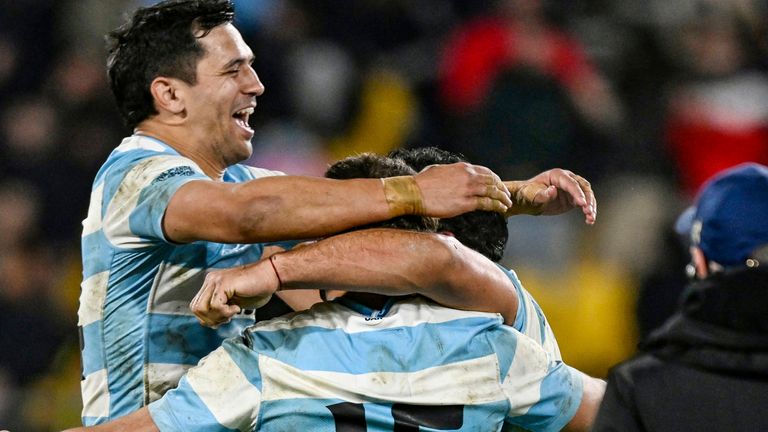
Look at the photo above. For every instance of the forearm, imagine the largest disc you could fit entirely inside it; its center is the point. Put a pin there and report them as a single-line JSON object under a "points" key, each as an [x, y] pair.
{"points": [[396, 262], [273, 208]]}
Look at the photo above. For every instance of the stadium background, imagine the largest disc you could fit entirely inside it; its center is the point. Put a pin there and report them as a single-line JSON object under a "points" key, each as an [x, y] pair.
{"points": [[645, 99]]}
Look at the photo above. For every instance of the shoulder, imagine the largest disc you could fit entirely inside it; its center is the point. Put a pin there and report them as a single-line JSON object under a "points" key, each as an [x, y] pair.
{"points": [[242, 172]]}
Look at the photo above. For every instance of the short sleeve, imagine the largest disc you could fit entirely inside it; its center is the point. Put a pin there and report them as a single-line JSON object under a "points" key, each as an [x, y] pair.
{"points": [[215, 395], [543, 394], [134, 213]]}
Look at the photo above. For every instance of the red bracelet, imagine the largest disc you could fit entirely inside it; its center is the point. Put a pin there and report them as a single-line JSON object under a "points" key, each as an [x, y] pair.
{"points": [[279, 281]]}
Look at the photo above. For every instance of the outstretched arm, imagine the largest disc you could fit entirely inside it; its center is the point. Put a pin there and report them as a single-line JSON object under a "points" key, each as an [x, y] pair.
{"points": [[295, 207], [382, 261], [553, 192]]}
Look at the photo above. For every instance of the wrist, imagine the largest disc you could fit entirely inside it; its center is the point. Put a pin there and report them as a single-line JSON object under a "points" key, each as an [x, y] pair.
{"points": [[403, 196]]}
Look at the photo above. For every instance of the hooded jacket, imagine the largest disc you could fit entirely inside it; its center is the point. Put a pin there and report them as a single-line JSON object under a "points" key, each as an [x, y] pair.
{"points": [[705, 369]]}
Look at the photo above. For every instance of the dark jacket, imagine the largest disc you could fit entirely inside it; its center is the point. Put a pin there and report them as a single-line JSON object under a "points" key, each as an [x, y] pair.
{"points": [[706, 369]]}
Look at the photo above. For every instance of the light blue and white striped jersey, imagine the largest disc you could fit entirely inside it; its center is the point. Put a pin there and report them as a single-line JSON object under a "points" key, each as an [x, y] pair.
{"points": [[530, 319], [138, 334], [413, 366]]}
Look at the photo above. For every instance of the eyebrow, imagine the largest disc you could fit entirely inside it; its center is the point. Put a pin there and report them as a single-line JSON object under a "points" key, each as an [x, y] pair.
{"points": [[238, 62]]}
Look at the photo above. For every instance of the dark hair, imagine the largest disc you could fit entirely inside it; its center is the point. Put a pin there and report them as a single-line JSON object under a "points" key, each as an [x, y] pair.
{"points": [[369, 165], [160, 40], [484, 231]]}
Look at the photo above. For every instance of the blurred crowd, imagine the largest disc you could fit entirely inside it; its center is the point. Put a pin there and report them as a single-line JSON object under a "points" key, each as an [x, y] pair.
{"points": [[645, 99]]}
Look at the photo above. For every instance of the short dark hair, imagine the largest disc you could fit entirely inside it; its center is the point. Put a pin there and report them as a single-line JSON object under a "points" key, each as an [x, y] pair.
{"points": [[369, 165], [484, 231], [160, 40]]}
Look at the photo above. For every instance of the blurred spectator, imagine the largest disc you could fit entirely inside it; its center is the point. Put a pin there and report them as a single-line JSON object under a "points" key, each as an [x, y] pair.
{"points": [[718, 113], [520, 85]]}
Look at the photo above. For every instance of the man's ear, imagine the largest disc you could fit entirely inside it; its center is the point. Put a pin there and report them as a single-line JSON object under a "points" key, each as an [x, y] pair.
{"points": [[699, 262], [165, 92]]}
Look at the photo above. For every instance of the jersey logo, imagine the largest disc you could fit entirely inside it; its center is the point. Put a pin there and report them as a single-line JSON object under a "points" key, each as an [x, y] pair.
{"points": [[184, 170]]}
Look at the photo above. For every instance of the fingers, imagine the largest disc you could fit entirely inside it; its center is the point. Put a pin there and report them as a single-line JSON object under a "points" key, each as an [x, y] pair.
{"points": [[495, 189], [489, 204], [210, 305], [579, 192]]}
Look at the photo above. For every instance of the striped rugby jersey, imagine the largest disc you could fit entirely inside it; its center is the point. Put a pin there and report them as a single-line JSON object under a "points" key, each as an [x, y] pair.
{"points": [[138, 335], [413, 366], [530, 319]]}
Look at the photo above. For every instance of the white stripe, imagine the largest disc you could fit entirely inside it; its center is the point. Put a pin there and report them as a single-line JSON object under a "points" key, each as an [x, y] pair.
{"points": [[138, 142], [93, 291], [262, 172], [468, 382], [161, 377], [92, 222], [221, 385], [523, 381], [95, 394], [174, 287], [404, 314], [116, 221], [533, 325]]}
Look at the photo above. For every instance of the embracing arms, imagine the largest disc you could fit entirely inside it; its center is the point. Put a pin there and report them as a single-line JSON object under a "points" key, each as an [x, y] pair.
{"points": [[383, 261], [295, 207]]}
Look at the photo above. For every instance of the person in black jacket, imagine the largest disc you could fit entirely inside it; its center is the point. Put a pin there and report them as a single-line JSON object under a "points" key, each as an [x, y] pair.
{"points": [[706, 368]]}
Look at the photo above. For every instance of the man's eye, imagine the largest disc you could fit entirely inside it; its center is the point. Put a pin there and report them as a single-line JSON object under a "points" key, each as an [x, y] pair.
{"points": [[234, 71]]}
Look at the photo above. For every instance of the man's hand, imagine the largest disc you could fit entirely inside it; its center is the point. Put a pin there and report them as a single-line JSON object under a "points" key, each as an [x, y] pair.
{"points": [[450, 190], [553, 192], [226, 292]]}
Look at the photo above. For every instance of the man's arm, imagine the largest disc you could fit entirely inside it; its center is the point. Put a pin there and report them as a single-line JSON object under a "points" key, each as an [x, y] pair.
{"points": [[138, 421], [294, 207], [383, 261], [593, 391], [552, 192]]}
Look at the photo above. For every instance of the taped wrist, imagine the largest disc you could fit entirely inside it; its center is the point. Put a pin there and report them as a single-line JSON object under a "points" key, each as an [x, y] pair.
{"points": [[403, 196], [523, 195]]}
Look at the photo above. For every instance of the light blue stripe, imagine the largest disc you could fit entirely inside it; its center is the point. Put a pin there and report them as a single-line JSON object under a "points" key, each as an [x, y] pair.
{"points": [[180, 339], [97, 254], [400, 349], [521, 319], [182, 410], [504, 342], [91, 421], [93, 348], [561, 393]]}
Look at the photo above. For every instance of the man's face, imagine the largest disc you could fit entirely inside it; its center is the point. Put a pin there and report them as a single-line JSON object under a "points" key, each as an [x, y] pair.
{"points": [[219, 105]]}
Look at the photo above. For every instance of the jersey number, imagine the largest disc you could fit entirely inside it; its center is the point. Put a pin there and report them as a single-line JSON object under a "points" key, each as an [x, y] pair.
{"points": [[350, 417]]}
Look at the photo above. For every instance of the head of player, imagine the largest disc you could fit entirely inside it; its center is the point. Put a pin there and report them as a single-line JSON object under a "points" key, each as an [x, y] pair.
{"points": [[369, 165], [485, 232], [181, 72]]}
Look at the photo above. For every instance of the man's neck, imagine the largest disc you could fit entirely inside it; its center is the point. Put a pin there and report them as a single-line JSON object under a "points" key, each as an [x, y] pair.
{"points": [[186, 146]]}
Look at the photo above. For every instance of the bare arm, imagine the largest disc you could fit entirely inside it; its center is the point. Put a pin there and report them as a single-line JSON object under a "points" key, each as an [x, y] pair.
{"points": [[138, 421], [294, 207], [593, 389], [383, 261]]}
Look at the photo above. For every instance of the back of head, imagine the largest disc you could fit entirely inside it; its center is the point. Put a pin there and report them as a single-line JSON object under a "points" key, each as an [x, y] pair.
{"points": [[484, 231], [368, 165], [160, 40], [729, 221]]}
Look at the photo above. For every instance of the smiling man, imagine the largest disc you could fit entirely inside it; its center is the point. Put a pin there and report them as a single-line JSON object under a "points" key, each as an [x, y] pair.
{"points": [[171, 202]]}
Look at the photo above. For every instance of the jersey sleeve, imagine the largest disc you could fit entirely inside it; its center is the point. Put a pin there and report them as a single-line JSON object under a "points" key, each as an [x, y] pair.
{"points": [[543, 394], [221, 393], [134, 213], [530, 319]]}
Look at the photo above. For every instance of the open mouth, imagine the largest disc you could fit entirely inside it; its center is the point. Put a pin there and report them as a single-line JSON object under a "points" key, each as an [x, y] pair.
{"points": [[241, 118]]}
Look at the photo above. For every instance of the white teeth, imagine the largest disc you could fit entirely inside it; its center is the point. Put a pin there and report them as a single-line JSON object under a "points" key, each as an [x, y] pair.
{"points": [[247, 111]]}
